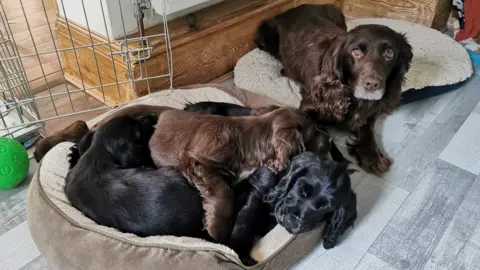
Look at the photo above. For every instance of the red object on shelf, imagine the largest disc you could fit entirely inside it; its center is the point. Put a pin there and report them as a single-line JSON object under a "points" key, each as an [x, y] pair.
{"points": [[472, 21]]}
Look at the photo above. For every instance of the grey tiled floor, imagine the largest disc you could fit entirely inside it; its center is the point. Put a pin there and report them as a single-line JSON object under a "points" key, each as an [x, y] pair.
{"points": [[423, 214]]}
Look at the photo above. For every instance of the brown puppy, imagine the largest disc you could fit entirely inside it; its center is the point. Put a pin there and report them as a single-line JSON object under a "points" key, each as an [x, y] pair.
{"points": [[349, 78], [214, 151]]}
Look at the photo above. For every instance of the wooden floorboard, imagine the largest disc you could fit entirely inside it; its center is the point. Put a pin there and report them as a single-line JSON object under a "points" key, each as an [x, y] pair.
{"points": [[38, 22], [430, 137], [417, 228], [447, 253], [64, 106]]}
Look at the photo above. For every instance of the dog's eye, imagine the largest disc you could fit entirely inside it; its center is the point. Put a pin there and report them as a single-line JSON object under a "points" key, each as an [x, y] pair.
{"points": [[321, 202], [357, 53], [388, 54], [305, 191]]}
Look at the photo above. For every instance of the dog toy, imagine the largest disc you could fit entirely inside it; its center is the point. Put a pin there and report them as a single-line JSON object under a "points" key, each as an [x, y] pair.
{"points": [[14, 163]]}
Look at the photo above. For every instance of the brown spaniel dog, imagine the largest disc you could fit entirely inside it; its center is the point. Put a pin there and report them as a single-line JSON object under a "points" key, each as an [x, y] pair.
{"points": [[349, 78], [214, 151]]}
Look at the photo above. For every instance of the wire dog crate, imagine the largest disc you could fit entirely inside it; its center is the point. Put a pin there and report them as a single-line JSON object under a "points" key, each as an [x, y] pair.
{"points": [[65, 58]]}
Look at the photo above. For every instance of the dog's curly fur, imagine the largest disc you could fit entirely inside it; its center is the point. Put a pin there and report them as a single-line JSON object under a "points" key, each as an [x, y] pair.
{"points": [[349, 78], [214, 151], [311, 191]]}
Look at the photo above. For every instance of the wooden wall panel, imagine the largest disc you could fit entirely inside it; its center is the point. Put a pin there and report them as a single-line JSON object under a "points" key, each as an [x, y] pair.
{"points": [[223, 34], [427, 12]]}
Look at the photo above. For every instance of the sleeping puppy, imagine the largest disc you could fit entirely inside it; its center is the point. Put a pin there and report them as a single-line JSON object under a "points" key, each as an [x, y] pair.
{"points": [[214, 151], [113, 181], [253, 218], [311, 191], [230, 109], [315, 190]]}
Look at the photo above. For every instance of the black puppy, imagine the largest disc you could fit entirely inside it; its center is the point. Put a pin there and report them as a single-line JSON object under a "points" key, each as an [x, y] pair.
{"points": [[218, 108], [113, 182], [314, 190], [253, 218]]}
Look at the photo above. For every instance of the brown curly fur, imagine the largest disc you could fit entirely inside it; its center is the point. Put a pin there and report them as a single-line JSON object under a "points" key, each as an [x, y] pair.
{"points": [[315, 49], [214, 151]]}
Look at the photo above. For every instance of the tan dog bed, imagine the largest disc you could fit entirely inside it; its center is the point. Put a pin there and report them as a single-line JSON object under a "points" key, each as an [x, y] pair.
{"points": [[69, 240]]}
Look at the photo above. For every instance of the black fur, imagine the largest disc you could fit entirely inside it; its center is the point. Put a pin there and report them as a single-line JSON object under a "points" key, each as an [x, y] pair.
{"points": [[314, 190], [218, 108], [115, 184], [253, 218]]}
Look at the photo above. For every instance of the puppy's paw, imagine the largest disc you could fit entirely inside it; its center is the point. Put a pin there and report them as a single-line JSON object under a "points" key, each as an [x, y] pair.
{"points": [[329, 243], [383, 164], [74, 156], [248, 261]]}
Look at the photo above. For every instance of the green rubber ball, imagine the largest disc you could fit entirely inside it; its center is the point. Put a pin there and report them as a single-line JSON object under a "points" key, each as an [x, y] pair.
{"points": [[14, 163]]}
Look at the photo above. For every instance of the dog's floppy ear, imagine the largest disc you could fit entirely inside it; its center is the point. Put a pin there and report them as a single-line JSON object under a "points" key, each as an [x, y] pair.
{"points": [[286, 182], [405, 55], [85, 142], [338, 63], [267, 37], [340, 220]]}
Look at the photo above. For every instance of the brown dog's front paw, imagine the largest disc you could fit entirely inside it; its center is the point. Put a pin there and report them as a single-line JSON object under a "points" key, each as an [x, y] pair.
{"points": [[383, 164], [375, 163], [371, 161]]}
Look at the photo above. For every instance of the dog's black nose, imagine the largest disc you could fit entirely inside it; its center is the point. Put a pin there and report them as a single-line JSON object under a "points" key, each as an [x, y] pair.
{"points": [[372, 82]]}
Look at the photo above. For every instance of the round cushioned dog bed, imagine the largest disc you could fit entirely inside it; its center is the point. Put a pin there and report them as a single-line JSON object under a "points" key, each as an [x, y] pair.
{"points": [[69, 240], [438, 65]]}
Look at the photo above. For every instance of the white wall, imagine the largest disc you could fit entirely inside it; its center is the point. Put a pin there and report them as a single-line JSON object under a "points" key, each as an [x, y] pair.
{"points": [[75, 12], [177, 8]]}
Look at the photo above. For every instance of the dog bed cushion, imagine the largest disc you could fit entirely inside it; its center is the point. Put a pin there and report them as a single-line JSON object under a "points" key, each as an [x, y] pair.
{"points": [[69, 240], [438, 61]]}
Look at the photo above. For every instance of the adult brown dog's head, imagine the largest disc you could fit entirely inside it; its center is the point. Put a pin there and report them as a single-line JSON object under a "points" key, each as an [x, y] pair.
{"points": [[372, 60]]}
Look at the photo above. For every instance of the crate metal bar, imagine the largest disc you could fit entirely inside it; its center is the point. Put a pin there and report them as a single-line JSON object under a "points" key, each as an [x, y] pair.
{"points": [[75, 52], [58, 56], [111, 52]]}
